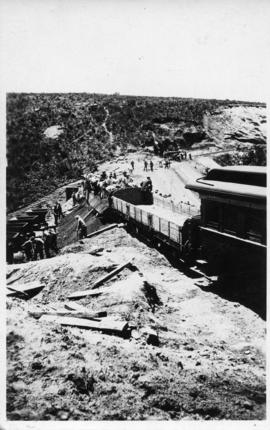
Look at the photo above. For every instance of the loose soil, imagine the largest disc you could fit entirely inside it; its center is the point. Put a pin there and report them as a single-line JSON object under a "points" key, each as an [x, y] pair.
{"points": [[209, 362]]}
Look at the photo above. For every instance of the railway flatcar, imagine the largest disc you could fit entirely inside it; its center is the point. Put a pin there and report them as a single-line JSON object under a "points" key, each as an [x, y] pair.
{"points": [[162, 226]]}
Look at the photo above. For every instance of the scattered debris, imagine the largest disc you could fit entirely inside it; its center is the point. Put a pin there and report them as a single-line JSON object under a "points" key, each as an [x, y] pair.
{"points": [[28, 288], [15, 290], [57, 359], [11, 281], [111, 274], [84, 293], [107, 325], [96, 251], [79, 308], [74, 314]]}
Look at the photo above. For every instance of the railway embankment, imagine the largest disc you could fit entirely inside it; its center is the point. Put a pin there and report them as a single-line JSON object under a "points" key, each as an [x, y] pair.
{"points": [[173, 351]]}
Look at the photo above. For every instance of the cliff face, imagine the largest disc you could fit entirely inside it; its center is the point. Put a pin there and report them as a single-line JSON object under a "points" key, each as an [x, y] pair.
{"points": [[52, 138]]}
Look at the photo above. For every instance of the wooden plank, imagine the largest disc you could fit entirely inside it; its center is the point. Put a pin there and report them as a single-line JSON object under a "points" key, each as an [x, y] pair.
{"points": [[199, 272], [79, 308], [201, 262], [111, 274], [26, 288], [13, 289], [12, 272], [11, 281], [71, 306], [109, 227], [109, 326], [74, 314], [84, 293], [88, 214]]}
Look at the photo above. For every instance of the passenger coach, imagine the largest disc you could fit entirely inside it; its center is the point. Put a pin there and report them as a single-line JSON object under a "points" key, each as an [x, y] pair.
{"points": [[233, 220]]}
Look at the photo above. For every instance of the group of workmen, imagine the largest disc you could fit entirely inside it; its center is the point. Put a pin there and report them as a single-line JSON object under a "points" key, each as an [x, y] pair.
{"points": [[166, 164], [147, 185], [36, 247], [44, 245], [184, 155], [151, 165], [99, 186]]}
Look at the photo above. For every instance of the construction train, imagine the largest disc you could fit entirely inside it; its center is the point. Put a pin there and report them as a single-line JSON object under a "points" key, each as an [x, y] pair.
{"points": [[228, 236]]}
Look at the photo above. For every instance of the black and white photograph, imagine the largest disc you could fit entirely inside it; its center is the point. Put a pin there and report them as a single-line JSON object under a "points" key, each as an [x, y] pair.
{"points": [[134, 185]]}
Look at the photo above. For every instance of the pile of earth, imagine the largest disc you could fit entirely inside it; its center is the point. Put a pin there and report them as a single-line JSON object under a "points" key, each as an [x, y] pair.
{"points": [[208, 361]]}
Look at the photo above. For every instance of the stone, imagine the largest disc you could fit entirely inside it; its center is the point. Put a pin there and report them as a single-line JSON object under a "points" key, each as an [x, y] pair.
{"points": [[135, 334], [37, 365], [247, 405], [63, 415], [151, 336], [189, 348]]}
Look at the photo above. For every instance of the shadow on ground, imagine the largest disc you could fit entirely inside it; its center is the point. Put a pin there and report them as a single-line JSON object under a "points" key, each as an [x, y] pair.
{"points": [[249, 292]]}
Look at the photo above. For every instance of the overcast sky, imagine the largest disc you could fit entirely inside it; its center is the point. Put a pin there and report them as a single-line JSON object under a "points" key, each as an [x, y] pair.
{"points": [[202, 48]]}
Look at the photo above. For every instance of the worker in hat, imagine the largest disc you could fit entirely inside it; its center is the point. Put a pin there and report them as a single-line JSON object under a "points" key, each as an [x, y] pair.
{"points": [[81, 228]]}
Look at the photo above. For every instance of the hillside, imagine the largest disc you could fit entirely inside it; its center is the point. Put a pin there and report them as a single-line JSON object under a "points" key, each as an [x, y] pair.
{"points": [[54, 138]]}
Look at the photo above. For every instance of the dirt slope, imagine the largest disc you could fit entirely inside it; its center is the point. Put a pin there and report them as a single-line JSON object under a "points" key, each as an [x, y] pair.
{"points": [[209, 362]]}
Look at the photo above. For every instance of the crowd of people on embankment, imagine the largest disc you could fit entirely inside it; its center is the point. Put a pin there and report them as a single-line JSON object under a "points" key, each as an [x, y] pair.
{"points": [[99, 184]]}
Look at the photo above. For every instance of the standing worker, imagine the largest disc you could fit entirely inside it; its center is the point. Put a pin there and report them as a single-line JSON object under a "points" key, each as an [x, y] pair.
{"points": [[148, 184], [151, 165], [53, 240], [145, 165], [132, 165], [57, 211], [146, 188], [87, 189], [38, 245], [74, 200], [47, 243], [28, 248], [81, 228]]}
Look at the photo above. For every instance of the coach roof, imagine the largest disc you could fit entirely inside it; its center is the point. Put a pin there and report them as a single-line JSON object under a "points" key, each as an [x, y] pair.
{"points": [[207, 186]]}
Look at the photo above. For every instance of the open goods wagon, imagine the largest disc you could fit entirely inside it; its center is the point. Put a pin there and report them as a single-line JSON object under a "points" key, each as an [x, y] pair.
{"points": [[161, 226]]}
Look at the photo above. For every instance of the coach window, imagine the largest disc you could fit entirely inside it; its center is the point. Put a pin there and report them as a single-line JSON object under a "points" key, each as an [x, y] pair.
{"points": [[256, 226], [212, 211], [231, 220]]}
